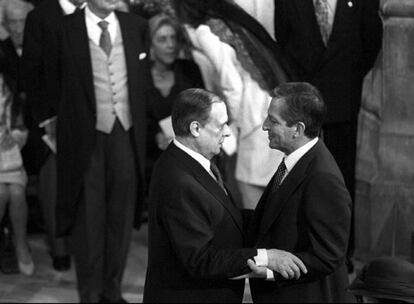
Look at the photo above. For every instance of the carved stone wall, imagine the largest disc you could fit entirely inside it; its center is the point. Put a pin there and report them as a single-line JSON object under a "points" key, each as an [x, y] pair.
{"points": [[384, 200]]}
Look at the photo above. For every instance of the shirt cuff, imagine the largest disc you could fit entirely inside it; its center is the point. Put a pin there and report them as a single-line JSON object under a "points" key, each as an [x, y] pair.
{"points": [[269, 275], [261, 258]]}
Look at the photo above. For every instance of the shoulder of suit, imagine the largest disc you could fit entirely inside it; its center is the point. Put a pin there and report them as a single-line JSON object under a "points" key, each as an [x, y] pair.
{"points": [[322, 159], [45, 8], [131, 17]]}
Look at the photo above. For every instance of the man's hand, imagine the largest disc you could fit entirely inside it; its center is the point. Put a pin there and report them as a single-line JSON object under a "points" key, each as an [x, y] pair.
{"points": [[285, 263], [257, 271]]}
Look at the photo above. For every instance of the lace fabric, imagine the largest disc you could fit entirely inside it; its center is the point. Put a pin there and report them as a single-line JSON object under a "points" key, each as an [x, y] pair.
{"points": [[226, 35]]}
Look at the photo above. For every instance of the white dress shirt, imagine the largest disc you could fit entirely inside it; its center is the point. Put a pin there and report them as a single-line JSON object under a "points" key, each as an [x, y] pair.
{"points": [[295, 156], [68, 7]]}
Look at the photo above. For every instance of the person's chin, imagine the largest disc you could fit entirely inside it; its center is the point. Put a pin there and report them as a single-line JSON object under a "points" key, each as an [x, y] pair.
{"points": [[273, 145]]}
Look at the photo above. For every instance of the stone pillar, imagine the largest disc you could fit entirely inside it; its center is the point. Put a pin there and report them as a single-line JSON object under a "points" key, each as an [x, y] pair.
{"points": [[384, 200]]}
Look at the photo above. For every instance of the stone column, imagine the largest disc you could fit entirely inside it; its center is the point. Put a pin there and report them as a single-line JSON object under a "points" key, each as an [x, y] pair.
{"points": [[384, 200]]}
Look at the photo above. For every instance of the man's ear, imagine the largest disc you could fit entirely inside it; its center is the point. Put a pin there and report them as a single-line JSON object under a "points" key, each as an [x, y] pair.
{"points": [[195, 128], [300, 129]]}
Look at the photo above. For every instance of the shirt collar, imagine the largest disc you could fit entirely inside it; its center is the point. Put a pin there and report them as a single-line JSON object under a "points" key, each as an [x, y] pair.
{"points": [[94, 31], [111, 19], [68, 7], [295, 156], [204, 162]]}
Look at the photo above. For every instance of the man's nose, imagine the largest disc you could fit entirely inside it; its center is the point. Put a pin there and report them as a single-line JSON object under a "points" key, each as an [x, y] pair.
{"points": [[226, 131], [265, 126]]}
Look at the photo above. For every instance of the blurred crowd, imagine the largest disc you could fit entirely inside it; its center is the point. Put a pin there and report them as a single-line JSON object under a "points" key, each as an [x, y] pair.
{"points": [[239, 50]]}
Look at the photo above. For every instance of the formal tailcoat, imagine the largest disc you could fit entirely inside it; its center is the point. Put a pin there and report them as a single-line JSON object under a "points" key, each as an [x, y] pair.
{"points": [[40, 60], [309, 216], [338, 68], [76, 125], [195, 235]]}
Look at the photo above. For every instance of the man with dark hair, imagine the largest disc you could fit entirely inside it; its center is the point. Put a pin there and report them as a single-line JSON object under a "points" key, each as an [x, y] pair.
{"points": [[333, 44], [306, 207], [195, 228]]}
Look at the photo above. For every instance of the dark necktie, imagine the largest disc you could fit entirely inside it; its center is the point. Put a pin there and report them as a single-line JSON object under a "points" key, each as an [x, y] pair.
{"points": [[280, 173], [105, 40], [217, 174], [322, 16]]}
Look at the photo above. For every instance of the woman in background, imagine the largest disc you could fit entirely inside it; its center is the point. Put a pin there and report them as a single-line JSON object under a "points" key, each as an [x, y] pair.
{"points": [[13, 177], [170, 76], [13, 133]]}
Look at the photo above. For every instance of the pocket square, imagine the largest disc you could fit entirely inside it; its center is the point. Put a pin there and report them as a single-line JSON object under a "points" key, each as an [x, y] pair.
{"points": [[142, 56]]}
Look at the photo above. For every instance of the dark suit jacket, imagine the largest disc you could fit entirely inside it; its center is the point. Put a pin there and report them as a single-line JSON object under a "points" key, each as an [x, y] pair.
{"points": [[77, 108], [309, 216], [40, 59], [338, 69], [195, 235]]}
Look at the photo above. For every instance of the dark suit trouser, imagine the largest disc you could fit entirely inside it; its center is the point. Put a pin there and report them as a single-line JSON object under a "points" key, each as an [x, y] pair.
{"points": [[47, 198], [103, 226]]}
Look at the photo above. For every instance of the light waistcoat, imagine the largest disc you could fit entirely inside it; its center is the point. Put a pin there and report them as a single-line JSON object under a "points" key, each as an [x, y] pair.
{"points": [[111, 86]]}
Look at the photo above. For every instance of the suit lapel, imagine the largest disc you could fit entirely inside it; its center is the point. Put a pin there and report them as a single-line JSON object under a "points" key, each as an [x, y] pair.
{"points": [[133, 46], [79, 43], [204, 178], [277, 201], [255, 223]]}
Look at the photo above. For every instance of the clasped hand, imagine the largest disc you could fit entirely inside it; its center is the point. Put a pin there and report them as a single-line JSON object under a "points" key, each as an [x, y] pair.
{"points": [[285, 263]]}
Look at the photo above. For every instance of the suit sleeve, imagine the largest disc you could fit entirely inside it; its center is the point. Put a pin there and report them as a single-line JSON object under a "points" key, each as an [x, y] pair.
{"points": [[328, 216], [187, 217], [32, 70]]}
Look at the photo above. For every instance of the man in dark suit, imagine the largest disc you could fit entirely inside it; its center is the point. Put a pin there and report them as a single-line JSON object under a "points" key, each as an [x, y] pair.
{"points": [[195, 229], [333, 44], [41, 77], [306, 208], [101, 141]]}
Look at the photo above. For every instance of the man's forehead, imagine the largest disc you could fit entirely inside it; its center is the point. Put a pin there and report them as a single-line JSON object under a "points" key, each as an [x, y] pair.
{"points": [[218, 109], [276, 104]]}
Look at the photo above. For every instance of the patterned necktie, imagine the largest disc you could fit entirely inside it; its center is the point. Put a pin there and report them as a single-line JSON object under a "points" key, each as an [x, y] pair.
{"points": [[105, 40], [322, 16], [280, 173], [217, 174]]}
